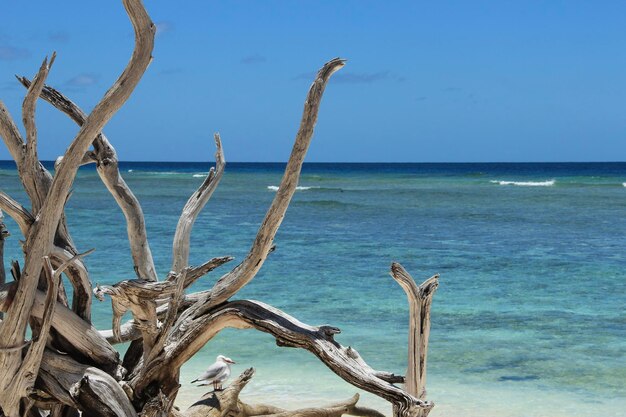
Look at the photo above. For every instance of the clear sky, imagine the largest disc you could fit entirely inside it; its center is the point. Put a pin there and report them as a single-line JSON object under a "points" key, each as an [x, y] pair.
{"points": [[432, 81]]}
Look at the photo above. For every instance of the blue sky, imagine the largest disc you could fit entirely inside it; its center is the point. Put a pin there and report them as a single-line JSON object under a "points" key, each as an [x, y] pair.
{"points": [[425, 82]]}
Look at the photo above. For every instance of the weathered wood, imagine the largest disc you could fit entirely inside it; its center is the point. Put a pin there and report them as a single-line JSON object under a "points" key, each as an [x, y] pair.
{"points": [[130, 330], [81, 336], [141, 298], [40, 239], [288, 331], [21, 215], [14, 390], [229, 284], [420, 300], [79, 277], [36, 181], [226, 403], [4, 233], [83, 387], [75, 366], [192, 209], [105, 157]]}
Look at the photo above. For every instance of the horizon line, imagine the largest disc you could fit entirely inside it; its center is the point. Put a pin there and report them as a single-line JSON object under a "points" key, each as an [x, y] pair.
{"points": [[355, 162]]}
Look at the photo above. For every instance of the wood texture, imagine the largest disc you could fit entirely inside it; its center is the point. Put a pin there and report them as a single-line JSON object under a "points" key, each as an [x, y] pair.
{"points": [[68, 368]]}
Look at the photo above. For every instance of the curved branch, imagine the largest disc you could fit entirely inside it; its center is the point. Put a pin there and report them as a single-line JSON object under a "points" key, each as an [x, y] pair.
{"points": [[105, 157], [131, 329], [19, 213], [420, 300], [229, 284], [13, 328], [81, 336], [192, 209], [11, 135], [83, 387], [79, 278], [24, 380], [4, 233], [31, 161], [288, 331]]}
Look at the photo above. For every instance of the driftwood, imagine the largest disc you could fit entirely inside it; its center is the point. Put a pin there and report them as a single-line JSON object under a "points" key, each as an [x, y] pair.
{"points": [[68, 367], [227, 403]]}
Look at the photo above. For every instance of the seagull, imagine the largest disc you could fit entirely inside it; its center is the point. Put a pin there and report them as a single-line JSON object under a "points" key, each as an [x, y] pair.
{"points": [[216, 373]]}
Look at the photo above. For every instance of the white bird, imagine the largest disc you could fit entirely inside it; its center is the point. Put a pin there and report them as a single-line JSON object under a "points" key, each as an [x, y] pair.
{"points": [[216, 373]]}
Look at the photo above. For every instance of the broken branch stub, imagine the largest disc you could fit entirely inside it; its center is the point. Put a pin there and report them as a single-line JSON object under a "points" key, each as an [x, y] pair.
{"points": [[420, 300]]}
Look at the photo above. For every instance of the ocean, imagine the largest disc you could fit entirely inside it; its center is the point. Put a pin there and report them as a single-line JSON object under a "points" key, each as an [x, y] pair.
{"points": [[529, 318]]}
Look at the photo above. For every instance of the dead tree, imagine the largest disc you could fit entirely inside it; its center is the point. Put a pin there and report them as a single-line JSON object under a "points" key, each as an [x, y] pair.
{"points": [[68, 367]]}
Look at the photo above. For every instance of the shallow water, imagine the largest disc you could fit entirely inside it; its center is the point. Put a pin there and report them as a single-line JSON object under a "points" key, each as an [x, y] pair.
{"points": [[529, 316]]}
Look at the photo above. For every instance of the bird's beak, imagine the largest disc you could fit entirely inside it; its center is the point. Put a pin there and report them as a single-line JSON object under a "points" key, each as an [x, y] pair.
{"points": [[230, 361]]}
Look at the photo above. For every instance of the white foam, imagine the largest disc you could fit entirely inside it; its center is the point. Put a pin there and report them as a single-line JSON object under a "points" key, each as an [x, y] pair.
{"points": [[548, 183], [130, 170], [298, 188], [624, 184], [199, 175]]}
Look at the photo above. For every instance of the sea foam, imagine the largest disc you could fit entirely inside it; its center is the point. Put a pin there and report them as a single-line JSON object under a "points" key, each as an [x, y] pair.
{"points": [[299, 188], [548, 183]]}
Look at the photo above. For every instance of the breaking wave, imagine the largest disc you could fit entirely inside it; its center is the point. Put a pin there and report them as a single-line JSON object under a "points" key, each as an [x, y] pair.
{"points": [[548, 183], [299, 188]]}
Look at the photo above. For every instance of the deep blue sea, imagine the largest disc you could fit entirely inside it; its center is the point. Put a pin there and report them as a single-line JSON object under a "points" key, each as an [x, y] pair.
{"points": [[529, 318]]}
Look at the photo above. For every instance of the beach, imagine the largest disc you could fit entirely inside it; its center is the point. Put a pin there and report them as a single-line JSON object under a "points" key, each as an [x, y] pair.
{"points": [[528, 319]]}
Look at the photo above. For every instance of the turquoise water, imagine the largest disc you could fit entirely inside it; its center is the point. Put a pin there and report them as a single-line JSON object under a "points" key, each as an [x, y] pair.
{"points": [[529, 316]]}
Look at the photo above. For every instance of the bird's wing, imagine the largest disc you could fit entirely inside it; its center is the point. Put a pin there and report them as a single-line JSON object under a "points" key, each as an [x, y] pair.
{"points": [[213, 372], [223, 376]]}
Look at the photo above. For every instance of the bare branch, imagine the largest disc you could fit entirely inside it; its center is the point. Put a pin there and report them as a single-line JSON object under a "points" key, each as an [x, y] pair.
{"points": [[39, 243], [11, 135], [4, 233], [420, 300], [196, 272], [170, 316], [28, 112], [24, 379], [229, 284], [288, 331], [30, 365], [141, 298], [81, 336], [21, 215], [192, 209], [83, 387], [105, 157]]}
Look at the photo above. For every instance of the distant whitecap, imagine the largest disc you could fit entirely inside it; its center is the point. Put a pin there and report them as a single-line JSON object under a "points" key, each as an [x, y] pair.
{"points": [[548, 183], [199, 175], [298, 188]]}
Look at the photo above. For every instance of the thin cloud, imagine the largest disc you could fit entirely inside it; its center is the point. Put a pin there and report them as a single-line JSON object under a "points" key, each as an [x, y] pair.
{"points": [[170, 71], [357, 77], [59, 36], [253, 59], [9, 86], [82, 80], [164, 27], [12, 53], [361, 78]]}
